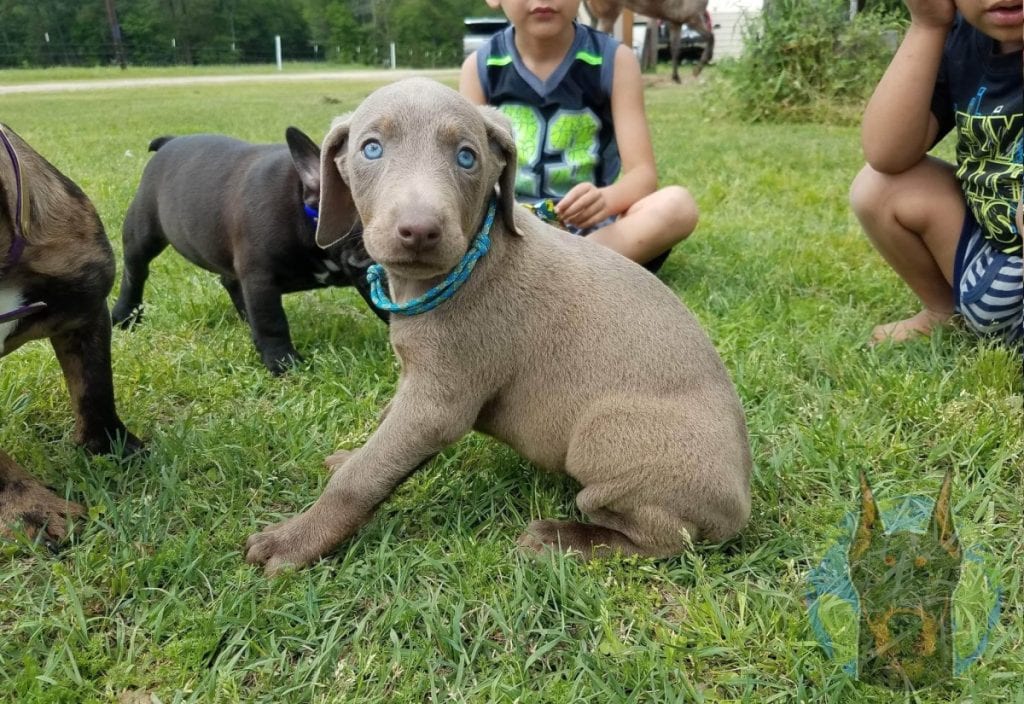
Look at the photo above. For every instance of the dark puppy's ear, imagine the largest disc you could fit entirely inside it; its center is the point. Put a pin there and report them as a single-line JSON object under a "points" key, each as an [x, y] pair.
{"points": [[337, 209], [306, 158], [499, 134], [9, 182]]}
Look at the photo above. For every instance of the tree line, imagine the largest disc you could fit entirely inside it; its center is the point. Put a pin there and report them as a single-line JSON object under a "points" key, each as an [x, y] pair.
{"points": [[153, 32]]}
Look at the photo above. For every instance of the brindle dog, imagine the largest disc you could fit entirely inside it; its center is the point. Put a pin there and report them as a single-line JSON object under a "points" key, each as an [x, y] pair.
{"points": [[56, 269]]}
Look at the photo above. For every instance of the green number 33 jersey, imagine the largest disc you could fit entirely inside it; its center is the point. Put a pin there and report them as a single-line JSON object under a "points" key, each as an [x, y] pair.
{"points": [[563, 125]]}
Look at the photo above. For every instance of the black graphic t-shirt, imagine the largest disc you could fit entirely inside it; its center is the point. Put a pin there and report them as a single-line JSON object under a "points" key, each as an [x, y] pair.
{"points": [[979, 93], [563, 125]]}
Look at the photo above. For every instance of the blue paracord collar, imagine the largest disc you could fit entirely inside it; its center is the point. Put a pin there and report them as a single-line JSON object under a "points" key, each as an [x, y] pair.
{"points": [[444, 290], [312, 213]]}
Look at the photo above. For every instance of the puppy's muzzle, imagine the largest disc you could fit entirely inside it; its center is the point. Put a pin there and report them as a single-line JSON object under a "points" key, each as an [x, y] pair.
{"points": [[419, 232]]}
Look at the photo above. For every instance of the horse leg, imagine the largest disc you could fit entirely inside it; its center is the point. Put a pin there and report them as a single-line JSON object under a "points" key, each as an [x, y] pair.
{"points": [[709, 46], [674, 32]]}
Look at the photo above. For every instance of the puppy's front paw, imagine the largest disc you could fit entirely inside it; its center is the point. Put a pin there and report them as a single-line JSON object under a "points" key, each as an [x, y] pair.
{"points": [[281, 361], [117, 441], [293, 543]]}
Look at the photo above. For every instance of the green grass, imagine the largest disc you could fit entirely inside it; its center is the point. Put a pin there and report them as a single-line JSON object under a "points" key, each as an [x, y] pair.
{"points": [[431, 601]]}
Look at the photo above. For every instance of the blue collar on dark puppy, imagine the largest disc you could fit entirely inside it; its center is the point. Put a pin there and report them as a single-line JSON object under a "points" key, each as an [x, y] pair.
{"points": [[444, 290], [312, 213]]}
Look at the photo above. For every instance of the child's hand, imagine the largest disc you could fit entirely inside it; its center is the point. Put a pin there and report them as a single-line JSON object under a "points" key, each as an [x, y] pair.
{"points": [[932, 13], [583, 206]]}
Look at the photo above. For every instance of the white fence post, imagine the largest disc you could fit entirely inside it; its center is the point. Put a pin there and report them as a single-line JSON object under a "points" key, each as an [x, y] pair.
{"points": [[277, 50], [393, 55]]}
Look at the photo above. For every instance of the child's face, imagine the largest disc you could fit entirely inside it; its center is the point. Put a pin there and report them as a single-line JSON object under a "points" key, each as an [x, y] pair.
{"points": [[1003, 20], [540, 18]]}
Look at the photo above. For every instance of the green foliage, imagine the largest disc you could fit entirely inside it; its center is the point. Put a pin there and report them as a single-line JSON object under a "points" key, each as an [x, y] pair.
{"points": [[895, 7], [426, 32], [443, 17], [805, 60]]}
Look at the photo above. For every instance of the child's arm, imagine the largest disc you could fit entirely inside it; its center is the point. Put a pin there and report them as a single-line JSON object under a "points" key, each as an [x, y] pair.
{"points": [[469, 81], [586, 205], [898, 127]]}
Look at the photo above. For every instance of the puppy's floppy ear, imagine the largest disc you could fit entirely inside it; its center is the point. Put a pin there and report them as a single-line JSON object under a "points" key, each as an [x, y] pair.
{"points": [[306, 158], [337, 209], [499, 134], [15, 184]]}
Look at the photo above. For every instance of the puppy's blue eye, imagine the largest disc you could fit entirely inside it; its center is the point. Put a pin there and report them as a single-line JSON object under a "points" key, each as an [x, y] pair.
{"points": [[373, 150], [465, 158]]}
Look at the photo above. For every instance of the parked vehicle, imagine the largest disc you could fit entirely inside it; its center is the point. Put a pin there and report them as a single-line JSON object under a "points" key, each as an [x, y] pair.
{"points": [[691, 43], [478, 30]]}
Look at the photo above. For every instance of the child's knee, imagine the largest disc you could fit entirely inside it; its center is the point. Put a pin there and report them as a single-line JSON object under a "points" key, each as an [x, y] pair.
{"points": [[866, 191], [681, 209]]}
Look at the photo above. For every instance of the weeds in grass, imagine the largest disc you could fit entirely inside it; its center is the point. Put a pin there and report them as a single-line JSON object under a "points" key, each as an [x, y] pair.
{"points": [[804, 60]]}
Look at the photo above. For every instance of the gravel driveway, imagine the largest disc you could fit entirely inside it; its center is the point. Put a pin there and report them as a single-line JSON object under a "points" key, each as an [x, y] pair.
{"points": [[97, 84]]}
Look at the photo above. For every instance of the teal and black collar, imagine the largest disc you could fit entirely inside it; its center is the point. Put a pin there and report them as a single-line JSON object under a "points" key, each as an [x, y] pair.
{"points": [[444, 290]]}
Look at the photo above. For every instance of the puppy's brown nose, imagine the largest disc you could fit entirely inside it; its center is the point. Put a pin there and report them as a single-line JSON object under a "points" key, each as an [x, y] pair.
{"points": [[420, 234]]}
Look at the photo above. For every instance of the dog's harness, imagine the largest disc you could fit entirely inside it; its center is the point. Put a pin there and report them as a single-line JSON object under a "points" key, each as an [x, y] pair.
{"points": [[444, 290], [19, 226]]}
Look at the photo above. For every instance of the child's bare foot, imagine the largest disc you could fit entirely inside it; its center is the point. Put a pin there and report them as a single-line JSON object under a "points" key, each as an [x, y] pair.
{"points": [[902, 330]]}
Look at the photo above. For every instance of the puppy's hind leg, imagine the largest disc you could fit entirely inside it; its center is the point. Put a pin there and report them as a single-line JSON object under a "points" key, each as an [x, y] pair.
{"points": [[656, 475], [569, 536], [143, 240], [651, 533], [234, 288]]}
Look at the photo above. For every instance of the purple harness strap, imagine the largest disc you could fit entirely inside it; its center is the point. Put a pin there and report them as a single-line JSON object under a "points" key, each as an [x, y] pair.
{"points": [[22, 311], [18, 240]]}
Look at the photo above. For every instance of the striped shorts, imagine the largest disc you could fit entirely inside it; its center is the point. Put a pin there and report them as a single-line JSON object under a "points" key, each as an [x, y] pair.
{"points": [[988, 286]]}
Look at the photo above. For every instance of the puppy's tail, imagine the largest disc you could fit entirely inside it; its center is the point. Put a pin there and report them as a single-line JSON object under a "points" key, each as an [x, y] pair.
{"points": [[159, 142]]}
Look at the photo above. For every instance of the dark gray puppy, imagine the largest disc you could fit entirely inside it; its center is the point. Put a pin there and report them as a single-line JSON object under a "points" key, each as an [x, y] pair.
{"points": [[246, 212]]}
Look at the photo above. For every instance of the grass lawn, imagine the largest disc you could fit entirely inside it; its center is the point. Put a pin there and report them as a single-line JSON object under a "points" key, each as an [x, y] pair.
{"points": [[70, 73], [431, 601]]}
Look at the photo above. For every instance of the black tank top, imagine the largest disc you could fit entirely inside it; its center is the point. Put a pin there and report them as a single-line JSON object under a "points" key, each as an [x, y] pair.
{"points": [[563, 126]]}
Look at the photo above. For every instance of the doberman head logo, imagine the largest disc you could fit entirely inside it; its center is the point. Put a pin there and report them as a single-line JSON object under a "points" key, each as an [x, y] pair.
{"points": [[905, 583]]}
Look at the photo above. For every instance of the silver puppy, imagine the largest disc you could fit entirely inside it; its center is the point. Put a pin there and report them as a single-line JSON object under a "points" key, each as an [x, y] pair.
{"points": [[577, 358]]}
